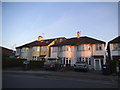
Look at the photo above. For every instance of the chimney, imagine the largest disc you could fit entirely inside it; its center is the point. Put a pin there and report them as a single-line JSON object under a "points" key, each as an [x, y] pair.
{"points": [[40, 38], [78, 34]]}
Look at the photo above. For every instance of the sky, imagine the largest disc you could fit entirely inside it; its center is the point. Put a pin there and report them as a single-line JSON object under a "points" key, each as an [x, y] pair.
{"points": [[23, 22]]}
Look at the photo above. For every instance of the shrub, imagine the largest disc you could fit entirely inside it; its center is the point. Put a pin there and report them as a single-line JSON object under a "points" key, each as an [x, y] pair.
{"points": [[112, 66], [11, 62], [36, 64], [63, 69]]}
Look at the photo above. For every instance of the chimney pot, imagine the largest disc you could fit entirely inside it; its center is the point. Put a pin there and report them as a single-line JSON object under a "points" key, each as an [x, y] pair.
{"points": [[78, 34], [40, 38]]}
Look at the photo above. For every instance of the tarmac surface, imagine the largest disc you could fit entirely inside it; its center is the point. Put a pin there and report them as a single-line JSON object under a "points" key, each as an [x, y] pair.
{"points": [[90, 75]]}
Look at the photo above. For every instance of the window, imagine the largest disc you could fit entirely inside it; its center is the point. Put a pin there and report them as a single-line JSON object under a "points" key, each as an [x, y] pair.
{"points": [[69, 61], [43, 49], [98, 47], [36, 48], [18, 51], [82, 59], [80, 47], [25, 49], [66, 61], [116, 46], [34, 57], [55, 49], [89, 62], [87, 47], [79, 59], [60, 48], [64, 48]]}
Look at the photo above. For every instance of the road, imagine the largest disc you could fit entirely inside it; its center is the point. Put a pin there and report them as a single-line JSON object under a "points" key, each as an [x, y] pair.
{"points": [[41, 81]]}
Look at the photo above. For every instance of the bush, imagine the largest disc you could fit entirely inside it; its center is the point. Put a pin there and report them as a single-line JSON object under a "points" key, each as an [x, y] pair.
{"points": [[36, 64], [112, 66], [11, 62], [63, 69]]}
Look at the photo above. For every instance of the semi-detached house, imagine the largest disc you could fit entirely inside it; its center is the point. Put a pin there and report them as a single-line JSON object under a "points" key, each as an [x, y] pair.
{"points": [[80, 49], [113, 49], [67, 51], [38, 49]]}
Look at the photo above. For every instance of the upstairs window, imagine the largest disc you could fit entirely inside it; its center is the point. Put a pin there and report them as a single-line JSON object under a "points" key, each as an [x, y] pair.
{"points": [[54, 49], [43, 49], [36, 48], [86, 47], [18, 51], [80, 47], [116, 46], [98, 47], [25, 49], [66, 48]]}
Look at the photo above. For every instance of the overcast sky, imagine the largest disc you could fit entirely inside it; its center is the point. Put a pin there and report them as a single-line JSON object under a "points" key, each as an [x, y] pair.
{"points": [[23, 22]]}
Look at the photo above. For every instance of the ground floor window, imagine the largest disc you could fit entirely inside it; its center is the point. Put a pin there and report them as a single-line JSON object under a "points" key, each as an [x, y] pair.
{"points": [[85, 59], [34, 57], [69, 61], [66, 61], [89, 62]]}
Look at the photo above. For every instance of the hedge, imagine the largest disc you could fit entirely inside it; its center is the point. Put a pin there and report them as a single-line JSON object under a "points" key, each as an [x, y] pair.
{"points": [[14, 62], [11, 62], [36, 64]]}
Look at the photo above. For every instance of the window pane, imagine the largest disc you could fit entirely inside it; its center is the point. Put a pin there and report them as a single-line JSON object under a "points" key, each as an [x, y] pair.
{"points": [[98, 47], [69, 61]]}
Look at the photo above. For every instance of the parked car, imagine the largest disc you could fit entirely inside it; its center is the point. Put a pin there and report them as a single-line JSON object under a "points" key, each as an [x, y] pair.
{"points": [[52, 66], [81, 66]]}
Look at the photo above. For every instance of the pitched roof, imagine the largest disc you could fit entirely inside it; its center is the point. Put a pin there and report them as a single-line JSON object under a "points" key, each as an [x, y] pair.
{"points": [[45, 42], [6, 51], [37, 43], [81, 40], [116, 40]]}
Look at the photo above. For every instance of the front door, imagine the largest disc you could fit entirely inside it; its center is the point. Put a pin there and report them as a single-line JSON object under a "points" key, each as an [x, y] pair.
{"points": [[97, 67]]}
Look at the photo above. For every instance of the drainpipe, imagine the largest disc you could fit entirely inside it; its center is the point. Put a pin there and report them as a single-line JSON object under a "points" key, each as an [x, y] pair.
{"points": [[92, 60]]}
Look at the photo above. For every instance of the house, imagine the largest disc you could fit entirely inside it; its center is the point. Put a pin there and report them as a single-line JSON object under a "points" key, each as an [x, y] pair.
{"points": [[38, 49], [80, 48], [7, 52], [113, 49]]}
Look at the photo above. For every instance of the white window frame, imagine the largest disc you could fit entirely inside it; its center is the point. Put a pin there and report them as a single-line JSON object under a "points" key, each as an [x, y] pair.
{"points": [[80, 47], [98, 47]]}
